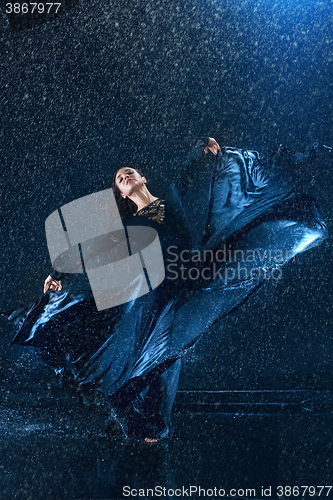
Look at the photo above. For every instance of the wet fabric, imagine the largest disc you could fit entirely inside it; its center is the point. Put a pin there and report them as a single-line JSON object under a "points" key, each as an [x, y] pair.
{"points": [[229, 225]]}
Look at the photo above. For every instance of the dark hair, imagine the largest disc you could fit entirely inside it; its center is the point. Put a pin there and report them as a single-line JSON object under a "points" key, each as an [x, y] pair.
{"points": [[126, 206]]}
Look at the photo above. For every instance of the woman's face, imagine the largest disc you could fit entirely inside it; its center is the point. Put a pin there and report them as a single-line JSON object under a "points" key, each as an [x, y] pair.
{"points": [[128, 181]]}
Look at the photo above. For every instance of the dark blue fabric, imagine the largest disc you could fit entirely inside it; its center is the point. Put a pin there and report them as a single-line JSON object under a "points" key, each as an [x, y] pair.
{"points": [[237, 202]]}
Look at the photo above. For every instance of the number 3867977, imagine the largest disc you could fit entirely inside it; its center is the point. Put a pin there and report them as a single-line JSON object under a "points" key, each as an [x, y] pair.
{"points": [[33, 8]]}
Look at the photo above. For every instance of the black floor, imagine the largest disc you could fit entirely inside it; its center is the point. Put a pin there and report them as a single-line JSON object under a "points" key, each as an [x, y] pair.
{"points": [[52, 448]]}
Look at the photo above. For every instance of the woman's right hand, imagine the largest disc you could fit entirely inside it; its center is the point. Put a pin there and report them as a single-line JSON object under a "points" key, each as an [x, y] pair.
{"points": [[52, 284], [212, 146]]}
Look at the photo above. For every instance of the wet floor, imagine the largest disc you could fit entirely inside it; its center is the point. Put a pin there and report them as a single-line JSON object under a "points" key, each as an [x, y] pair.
{"points": [[53, 448]]}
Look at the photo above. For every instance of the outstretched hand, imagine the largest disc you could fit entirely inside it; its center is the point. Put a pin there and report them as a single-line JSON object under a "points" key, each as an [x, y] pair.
{"points": [[212, 146], [52, 284]]}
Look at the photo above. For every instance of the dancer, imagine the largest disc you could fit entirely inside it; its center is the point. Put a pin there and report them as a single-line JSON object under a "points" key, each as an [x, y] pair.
{"points": [[211, 223]]}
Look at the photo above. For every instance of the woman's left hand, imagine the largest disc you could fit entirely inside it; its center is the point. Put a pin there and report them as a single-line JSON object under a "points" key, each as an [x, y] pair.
{"points": [[212, 146], [52, 284]]}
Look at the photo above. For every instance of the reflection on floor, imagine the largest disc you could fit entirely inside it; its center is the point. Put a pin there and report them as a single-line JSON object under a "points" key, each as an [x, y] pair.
{"points": [[241, 445]]}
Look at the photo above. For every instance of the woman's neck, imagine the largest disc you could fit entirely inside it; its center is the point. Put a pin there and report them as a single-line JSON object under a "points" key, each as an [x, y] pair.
{"points": [[142, 198]]}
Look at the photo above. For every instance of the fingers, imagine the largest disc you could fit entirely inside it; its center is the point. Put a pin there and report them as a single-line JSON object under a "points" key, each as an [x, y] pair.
{"points": [[214, 149], [52, 284], [47, 283], [150, 440], [55, 285], [213, 146]]}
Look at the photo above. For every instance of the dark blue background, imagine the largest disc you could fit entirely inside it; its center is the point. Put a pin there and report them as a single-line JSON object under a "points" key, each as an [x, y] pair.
{"points": [[143, 80]]}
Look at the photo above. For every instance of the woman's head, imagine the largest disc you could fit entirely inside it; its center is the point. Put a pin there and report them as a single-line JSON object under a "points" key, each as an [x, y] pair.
{"points": [[126, 181]]}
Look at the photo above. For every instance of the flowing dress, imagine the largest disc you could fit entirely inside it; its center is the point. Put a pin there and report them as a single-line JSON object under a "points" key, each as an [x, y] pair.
{"points": [[225, 227]]}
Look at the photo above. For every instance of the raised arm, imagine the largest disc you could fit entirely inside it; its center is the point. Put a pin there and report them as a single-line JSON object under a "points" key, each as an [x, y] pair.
{"points": [[189, 165]]}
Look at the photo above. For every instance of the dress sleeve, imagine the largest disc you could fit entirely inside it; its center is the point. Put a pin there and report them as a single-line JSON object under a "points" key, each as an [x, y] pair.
{"points": [[189, 165], [56, 275]]}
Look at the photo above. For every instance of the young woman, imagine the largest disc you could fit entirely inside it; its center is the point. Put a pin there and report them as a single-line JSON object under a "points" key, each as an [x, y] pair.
{"points": [[225, 227]]}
